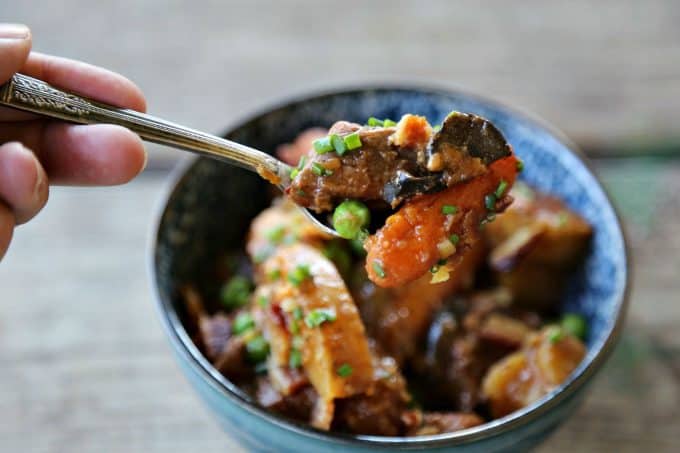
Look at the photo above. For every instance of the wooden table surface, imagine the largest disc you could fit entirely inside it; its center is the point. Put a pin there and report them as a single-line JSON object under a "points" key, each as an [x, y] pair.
{"points": [[85, 365]]}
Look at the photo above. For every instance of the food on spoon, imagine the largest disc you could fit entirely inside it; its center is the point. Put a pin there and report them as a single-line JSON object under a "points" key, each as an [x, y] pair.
{"points": [[437, 336], [364, 162], [442, 226]]}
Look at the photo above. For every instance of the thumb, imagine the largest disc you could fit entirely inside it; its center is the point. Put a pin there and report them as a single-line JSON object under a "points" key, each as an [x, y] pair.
{"points": [[15, 44]]}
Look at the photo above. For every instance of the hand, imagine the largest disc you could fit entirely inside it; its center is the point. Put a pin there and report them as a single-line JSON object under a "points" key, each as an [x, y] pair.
{"points": [[36, 152]]}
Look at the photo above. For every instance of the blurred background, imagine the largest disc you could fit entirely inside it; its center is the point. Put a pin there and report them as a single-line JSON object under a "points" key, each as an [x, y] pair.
{"points": [[84, 363]]}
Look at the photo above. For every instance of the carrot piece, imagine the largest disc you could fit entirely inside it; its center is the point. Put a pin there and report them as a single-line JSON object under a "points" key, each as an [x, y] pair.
{"points": [[406, 247]]}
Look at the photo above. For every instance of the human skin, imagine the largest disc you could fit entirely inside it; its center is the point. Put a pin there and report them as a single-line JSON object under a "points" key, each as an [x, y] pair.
{"points": [[37, 152]]}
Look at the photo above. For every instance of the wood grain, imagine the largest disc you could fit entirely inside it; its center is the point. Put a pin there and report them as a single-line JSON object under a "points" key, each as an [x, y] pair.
{"points": [[85, 366]]}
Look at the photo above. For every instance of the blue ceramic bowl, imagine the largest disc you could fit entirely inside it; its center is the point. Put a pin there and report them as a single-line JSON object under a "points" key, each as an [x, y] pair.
{"points": [[210, 205]]}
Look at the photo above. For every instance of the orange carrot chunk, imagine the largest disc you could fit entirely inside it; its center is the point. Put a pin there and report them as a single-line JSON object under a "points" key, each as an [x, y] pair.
{"points": [[436, 227]]}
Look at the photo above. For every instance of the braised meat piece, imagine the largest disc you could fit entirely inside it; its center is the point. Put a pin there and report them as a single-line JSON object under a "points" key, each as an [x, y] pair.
{"points": [[374, 170], [464, 340], [535, 245], [544, 362]]}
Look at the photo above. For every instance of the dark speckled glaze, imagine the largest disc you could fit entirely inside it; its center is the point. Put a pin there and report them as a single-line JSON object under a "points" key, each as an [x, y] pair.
{"points": [[210, 206]]}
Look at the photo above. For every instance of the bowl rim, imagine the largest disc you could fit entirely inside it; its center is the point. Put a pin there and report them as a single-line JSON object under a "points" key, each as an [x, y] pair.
{"points": [[579, 377]]}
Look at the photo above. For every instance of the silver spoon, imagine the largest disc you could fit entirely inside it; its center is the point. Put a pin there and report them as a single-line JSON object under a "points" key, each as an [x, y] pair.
{"points": [[33, 95]]}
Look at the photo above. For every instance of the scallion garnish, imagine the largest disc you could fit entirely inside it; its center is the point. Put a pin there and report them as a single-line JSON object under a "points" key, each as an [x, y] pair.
{"points": [[299, 274], [500, 190], [490, 202], [352, 141], [389, 123], [520, 165], [323, 145], [297, 313], [338, 144], [242, 323], [449, 209], [454, 238], [276, 235], [555, 334], [294, 172], [344, 370], [295, 358], [378, 269], [318, 316], [262, 301], [374, 122], [274, 274], [320, 170]]}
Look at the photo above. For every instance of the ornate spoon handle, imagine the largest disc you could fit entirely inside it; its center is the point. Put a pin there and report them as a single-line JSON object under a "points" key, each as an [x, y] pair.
{"points": [[33, 95]]}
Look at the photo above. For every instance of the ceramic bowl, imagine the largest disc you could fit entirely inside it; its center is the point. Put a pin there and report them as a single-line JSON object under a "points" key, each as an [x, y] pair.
{"points": [[209, 205]]}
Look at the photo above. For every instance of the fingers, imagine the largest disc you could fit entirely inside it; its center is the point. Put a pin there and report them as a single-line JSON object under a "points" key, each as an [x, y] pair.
{"points": [[82, 78], [23, 182], [100, 154], [6, 228], [15, 44]]}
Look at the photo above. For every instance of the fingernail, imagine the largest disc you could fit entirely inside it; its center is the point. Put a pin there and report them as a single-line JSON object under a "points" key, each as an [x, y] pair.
{"points": [[14, 31]]}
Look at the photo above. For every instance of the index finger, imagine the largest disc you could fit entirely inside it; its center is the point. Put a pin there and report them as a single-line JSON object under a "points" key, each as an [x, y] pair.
{"points": [[81, 78]]}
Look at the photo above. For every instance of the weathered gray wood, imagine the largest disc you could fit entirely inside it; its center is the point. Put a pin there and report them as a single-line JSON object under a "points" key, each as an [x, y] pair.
{"points": [[606, 72], [85, 366]]}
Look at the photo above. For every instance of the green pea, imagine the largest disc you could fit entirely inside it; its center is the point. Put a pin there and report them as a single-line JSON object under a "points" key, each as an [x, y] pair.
{"points": [[350, 217], [236, 292], [574, 324], [257, 349], [243, 322]]}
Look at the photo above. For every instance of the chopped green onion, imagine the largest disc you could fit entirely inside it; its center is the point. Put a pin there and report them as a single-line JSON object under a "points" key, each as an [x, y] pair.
{"points": [[301, 193], [436, 128], [297, 313], [338, 144], [276, 235], [500, 190], [274, 274], [294, 327], [323, 145], [374, 122], [574, 324], [454, 238], [299, 274], [350, 217], [555, 334], [302, 162], [352, 141], [434, 269], [294, 172], [318, 316], [389, 123], [344, 370], [257, 349], [262, 301], [236, 292], [448, 209], [320, 170], [295, 358], [243, 322], [520, 165], [490, 202], [378, 269]]}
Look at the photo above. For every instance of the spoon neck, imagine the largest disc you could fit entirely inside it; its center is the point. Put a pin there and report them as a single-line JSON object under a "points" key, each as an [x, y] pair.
{"points": [[33, 95]]}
